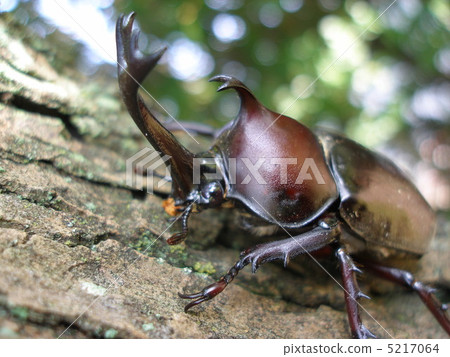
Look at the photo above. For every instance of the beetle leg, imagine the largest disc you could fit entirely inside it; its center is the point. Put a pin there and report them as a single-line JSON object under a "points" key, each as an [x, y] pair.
{"points": [[285, 249], [212, 290], [425, 292], [352, 294], [289, 248], [177, 238]]}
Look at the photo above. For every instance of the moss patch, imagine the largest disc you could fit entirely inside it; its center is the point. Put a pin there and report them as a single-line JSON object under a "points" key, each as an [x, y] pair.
{"points": [[111, 333], [20, 312], [202, 267]]}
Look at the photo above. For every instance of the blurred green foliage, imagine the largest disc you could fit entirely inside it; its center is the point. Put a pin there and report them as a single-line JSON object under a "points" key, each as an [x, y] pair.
{"points": [[362, 71]]}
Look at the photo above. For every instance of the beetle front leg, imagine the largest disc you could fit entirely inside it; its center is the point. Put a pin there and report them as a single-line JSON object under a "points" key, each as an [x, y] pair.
{"points": [[317, 238], [352, 294], [214, 289], [286, 249], [179, 237]]}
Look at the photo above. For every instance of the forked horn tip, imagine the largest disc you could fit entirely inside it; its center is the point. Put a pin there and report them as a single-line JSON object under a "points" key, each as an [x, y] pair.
{"points": [[228, 82], [126, 20]]}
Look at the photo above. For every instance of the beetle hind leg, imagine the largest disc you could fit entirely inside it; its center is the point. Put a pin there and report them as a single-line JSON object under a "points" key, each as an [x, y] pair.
{"points": [[405, 278], [352, 294]]}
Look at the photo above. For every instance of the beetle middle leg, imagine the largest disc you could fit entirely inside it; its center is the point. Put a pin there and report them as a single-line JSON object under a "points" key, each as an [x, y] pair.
{"points": [[352, 294], [327, 232]]}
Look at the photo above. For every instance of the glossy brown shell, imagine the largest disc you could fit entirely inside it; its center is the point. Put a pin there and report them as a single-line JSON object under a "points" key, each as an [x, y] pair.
{"points": [[378, 201], [258, 133]]}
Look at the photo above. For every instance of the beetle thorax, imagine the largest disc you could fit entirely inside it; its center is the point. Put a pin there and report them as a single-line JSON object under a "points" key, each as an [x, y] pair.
{"points": [[275, 166]]}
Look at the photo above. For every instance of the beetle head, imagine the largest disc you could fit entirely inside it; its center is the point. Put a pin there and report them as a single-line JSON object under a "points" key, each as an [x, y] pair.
{"points": [[210, 193]]}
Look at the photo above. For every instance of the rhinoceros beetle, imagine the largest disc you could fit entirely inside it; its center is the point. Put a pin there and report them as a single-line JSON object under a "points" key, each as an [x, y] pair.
{"points": [[348, 198]]}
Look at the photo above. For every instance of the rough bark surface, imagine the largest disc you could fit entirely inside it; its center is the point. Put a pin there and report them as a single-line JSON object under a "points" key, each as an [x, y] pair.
{"points": [[80, 248]]}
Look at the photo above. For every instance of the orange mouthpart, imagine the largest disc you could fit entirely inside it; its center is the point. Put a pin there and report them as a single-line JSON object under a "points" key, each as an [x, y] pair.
{"points": [[170, 208]]}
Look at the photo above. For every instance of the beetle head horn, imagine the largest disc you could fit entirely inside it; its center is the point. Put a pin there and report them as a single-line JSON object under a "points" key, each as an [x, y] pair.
{"points": [[133, 67]]}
